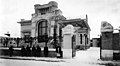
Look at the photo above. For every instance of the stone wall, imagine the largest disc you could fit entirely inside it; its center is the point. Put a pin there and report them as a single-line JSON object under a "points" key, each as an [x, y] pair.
{"points": [[107, 46], [110, 48], [107, 38], [17, 52], [116, 45]]}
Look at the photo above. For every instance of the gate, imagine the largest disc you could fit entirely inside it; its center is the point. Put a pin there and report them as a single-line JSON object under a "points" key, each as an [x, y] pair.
{"points": [[73, 46]]}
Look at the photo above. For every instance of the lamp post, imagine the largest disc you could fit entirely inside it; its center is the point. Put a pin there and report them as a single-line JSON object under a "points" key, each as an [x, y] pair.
{"points": [[55, 35], [55, 28], [100, 44]]}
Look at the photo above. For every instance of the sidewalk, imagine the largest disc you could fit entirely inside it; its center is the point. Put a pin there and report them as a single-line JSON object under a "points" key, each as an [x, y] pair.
{"points": [[46, 59]]}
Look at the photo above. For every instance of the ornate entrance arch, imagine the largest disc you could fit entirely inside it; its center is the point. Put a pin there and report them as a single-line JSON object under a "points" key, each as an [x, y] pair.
{"points": [[42, 30]]}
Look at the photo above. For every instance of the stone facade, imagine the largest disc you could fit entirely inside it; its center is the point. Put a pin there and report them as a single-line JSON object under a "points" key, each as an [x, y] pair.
{"points": [[25, 27], [46, 12], [50, 16]]}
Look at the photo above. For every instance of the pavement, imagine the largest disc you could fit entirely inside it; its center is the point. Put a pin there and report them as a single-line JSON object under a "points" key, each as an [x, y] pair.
{"points": [[90, 57], [46, 59]]}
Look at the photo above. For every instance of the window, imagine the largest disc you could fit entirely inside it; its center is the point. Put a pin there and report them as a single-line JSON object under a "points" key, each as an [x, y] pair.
{"points": [[42, 31], [87, 40], [81, 38], [42, 28]]}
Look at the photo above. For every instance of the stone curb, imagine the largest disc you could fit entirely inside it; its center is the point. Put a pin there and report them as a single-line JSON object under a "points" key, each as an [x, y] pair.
{"points": [[34, 59]]}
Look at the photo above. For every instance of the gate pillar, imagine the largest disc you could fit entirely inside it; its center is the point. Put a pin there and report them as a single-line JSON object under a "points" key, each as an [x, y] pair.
{"points": [[68, 32]]}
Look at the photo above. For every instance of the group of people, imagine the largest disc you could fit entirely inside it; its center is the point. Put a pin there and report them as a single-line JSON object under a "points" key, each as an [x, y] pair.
{"points": [[34, 51], [29, 46], [18, 42], [27, 51]]}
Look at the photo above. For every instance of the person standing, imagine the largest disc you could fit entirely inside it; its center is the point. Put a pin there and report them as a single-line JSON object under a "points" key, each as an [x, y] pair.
{"points": [[28, 50], [38, 51], [23, 51], [11, 50], [46, 51], [21, 42], [6, 42], [30, 40], [17, 41], [33, 50]]}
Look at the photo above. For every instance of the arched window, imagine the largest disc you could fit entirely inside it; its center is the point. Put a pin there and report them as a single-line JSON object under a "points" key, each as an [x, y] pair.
{"points": [[42, 28], [42, 31]]}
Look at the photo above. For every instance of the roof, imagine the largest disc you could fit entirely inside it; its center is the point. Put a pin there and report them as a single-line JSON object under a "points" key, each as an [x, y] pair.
{"points": [[77, 21], [24, 21], [51, 3], [24, 31]]}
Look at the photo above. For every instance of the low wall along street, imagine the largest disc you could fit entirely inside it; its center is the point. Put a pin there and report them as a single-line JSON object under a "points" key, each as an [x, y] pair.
{"points": [[17, 52]]}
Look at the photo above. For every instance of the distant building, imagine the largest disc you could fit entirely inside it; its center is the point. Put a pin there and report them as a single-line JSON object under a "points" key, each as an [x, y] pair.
{"points": [[25, 28], [44, 20], [96, 42]]}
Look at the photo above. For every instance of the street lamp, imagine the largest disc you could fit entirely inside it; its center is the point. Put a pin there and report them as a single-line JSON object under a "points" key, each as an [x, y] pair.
{"points": [[100, 44], [55, 27]]}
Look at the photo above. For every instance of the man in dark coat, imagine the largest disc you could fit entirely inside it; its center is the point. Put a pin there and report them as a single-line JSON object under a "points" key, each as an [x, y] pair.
{"points": [[6, 42], [11, 51], [28, 50], [33, 51], [17, 41], [30, 40], [46, 51], [23, 51], [38, 51], [59, 52]]}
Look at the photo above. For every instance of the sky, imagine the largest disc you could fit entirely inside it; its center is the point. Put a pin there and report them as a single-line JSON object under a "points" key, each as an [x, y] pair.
{"points": [[11, 11]]}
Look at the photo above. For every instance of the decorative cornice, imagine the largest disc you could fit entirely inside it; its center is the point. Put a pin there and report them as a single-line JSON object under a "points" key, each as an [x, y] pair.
{"points": [[25, 21]]}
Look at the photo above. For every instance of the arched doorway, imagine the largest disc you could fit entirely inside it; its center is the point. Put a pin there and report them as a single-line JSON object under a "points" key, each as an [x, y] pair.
{"points": [[42, 31]]}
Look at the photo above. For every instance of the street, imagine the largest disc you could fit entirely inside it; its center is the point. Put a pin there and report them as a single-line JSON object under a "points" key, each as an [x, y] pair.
{"points": [[88, 57]]}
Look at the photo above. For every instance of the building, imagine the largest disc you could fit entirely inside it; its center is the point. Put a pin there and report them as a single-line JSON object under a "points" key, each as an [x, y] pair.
{"points": [[49, 21], [110, 47], [25, 28], [82, 32], [96, 42]]}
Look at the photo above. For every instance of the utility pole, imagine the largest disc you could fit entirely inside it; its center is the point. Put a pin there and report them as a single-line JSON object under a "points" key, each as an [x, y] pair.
{"points": [[55, 34], [55, 28]]}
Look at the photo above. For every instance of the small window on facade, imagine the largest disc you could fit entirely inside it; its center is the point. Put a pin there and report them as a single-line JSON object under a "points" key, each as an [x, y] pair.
{"points": [[87, 40], [81, 38]]}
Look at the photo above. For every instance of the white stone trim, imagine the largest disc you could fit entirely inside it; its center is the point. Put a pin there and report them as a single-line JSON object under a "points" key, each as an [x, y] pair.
{"points": [[116, 51], [107, 54], [67, 53]]}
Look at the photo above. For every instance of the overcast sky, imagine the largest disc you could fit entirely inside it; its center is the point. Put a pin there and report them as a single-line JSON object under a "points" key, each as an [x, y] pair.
{"points": [[97, 10]]}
